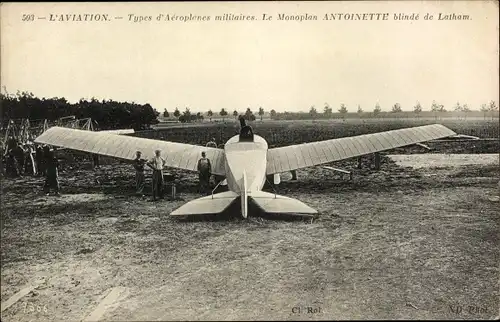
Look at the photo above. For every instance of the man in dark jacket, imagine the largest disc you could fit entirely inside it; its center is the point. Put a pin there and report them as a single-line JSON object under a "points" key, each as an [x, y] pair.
{"points": [[204, 173], [29, 162], [139, 173], [40, 171], [52, 175], [45, 156]]}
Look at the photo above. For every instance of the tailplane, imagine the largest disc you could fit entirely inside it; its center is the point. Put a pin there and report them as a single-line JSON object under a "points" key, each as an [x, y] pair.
{"points": [[267, 202], [272, 203], [212, 204]]}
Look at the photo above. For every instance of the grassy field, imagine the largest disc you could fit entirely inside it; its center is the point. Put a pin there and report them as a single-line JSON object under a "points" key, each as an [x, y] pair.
{"points": [[279, 133], [401, 243], [410, 241]]}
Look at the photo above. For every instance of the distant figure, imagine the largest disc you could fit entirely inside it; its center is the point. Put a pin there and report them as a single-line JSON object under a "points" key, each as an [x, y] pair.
{"points": [[204, 173], [11, 166], [40, 171], [139, 173], [95, 161], [19, 154], [294, 174], [3, 158], [29, 163], [212, 144], [157, 164], [11, 144], [45, 156], [52, 175]]}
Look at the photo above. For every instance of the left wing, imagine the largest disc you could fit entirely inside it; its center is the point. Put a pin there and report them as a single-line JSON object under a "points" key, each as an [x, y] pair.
{"points": [[304, 155], [176, 155]]}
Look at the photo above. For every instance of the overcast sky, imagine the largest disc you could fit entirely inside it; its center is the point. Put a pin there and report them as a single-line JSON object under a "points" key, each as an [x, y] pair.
{"points": [[281, 65]]}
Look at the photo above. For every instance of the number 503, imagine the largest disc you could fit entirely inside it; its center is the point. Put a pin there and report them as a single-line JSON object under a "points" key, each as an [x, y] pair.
{"points": [[28, 17]]}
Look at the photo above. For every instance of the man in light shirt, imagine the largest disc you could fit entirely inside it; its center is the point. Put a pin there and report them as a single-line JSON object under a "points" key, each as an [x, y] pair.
{"points": [[157, 164], [212, 144]]}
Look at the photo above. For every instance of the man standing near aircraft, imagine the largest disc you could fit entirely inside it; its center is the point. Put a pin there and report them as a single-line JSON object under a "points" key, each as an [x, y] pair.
{"points": [[45, 156], [40, 171], [52, 175], [204, 173], [29, 163], [157, 164], [212, 144], [139, 173]]}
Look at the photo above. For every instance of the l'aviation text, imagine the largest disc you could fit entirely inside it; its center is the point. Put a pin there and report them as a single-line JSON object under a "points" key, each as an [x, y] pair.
{"points": [[168, 17]]}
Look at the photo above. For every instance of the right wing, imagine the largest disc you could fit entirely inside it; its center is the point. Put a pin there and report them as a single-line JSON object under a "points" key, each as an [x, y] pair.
{"points": [[310, 154], [177, 155]]}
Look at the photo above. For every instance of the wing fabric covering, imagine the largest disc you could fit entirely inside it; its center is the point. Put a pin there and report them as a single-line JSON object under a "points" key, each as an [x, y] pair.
{"points": [[121, 131], [315, 153], [177, 155]]}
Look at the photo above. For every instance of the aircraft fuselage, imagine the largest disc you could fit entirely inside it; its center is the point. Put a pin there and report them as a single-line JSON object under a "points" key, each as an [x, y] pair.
{"points": [[249, 158], [245, 167]]}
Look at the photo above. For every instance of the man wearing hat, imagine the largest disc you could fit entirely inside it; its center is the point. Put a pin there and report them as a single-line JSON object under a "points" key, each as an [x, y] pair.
{"points": [[157, 164], [204, 173], [139, 173], [52, 175]]}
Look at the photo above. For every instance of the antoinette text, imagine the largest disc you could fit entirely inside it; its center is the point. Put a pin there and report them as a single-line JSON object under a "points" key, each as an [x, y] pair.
{"points": [[168, 17]]}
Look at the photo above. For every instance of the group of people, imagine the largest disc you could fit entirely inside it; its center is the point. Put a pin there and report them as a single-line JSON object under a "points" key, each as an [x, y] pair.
{"points": [[23, 159], [40, 160], [18, 159], [157, 164]]}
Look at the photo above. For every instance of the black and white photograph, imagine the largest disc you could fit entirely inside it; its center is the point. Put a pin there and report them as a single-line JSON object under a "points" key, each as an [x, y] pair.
{"points": [[250, 161]]}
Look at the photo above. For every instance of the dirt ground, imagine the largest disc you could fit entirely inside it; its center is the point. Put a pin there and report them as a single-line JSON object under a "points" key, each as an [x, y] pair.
{"points": [[400, 243]]}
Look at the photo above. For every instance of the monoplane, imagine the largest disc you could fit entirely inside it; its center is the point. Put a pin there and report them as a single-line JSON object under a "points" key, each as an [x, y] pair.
{"points": [[245, 161]]}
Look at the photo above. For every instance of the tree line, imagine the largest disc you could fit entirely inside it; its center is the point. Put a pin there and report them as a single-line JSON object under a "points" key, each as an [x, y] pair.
{"points": [[108, 114], [436, 110], [186, 116]]}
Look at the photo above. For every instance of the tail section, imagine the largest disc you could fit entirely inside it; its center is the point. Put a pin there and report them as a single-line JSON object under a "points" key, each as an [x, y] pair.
{"points": [[271, 203], [267, 202], [214, 204]]}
